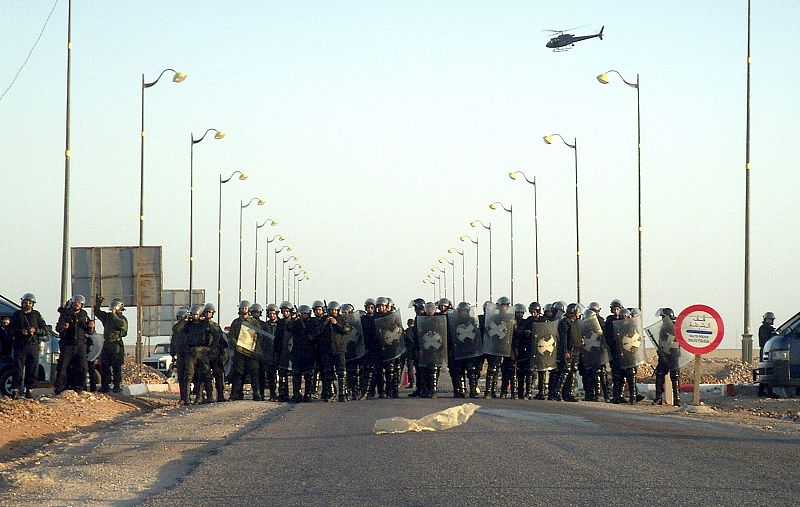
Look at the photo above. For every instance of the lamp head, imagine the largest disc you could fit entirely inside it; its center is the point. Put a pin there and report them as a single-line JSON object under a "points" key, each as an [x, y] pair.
{"points": [[451, 250], [548, 139], [178, 77], [603, 78], [471, 224], [288, 248], [243, 176], [493, 205], [280, 237], [433, 270], [274, 223], [219, 135], [513, 175], [261, 202]]}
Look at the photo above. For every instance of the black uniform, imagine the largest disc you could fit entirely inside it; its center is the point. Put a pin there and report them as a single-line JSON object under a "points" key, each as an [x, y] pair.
{"points": [[26, 347], [245, 364], [333, 349], [372, 378], [617, 374], [765, 332], [72, 328], [302, 358], [408, 338], [283, 347], [570, 342]]}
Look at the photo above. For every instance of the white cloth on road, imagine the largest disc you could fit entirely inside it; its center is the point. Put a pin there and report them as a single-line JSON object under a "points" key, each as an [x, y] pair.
{"points": [[437, 421]]}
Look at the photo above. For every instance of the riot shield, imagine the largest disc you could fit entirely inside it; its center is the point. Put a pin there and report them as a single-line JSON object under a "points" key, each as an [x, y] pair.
{"points": [[389, 328], [629, 337], [285, 356], [432, 334], [355, 340], [465, 336], [97, 347], [662, 336], [498, 329], [255, 342], [595, 350], [545, 338]]}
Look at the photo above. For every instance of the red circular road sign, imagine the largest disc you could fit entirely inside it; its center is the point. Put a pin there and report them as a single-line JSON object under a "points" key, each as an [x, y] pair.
{"points": [[699, 329]]}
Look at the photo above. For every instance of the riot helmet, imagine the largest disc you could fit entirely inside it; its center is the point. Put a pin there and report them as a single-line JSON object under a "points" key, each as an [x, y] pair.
{"points": [[244, 304], [78, 299], [463, 306], [519, 308], [444, 302], [770, 316], [347, 308], [28, 296], [317, 304], [595, 307], [381, 301], [369, 302], [181, 313], [334, 305], [417, 303], [503, 300], [256, 310], [666, 312], [285, 304], [625, 313], [116, 304], [196, 311], [304, 309], [559, 306], [272, 307], [535, 307], [430, 308], [615, 303]]}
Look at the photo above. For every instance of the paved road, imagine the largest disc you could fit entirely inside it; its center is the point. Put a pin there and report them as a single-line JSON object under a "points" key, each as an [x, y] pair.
{"points": [[526, 452]]}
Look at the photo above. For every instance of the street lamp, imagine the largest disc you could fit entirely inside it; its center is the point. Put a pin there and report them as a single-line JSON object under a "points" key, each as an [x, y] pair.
{"points": [[297, 274], [283, 275], [305, 277], [444, 275], [549, 140], [488, 227], [275, 273], [242, 206], [176, 78], [510, 211], [603, 78], [67, 155], [452, 263], [466, 237], [428, 280], [513, 175], [290, 279], [747, 336], [455, 250], [218, 135], [272, 223], [242, 176], [277, 237]]}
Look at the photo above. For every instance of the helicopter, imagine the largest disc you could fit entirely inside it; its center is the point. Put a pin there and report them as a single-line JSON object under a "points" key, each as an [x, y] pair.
{"points": [[566, 41]]}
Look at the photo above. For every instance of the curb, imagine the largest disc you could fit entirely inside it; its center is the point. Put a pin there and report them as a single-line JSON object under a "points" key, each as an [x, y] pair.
{"points": [[140, 389]]}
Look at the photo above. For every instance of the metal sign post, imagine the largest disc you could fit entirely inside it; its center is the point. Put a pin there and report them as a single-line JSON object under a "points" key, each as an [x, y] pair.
{"points": [[699, 329]]}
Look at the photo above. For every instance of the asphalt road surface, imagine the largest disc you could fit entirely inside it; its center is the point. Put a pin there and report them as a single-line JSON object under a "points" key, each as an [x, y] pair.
{"points": [[509, 452]]}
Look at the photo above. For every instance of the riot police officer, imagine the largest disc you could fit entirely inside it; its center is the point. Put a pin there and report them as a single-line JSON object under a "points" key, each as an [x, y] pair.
{"points": [[372, 378], [609, 334], [177, 347], [302, 355], [765, 332], [283, 349], [198, 342], [27, 329], [570, 343], [269, 361], [115, 328], [73, 325], [219, 347], [245, 363], [500, 346], [669, 354], [334, 350]]}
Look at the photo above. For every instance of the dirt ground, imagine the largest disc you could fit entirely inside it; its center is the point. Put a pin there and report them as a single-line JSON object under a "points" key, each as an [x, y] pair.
{"points": [[29, 425]]}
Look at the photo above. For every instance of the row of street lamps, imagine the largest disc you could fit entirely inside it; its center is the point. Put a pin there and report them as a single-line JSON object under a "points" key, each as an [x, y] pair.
{"points": [[548, 139]]}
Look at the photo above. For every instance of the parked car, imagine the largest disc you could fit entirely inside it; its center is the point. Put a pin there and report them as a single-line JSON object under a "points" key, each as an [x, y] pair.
{"points": [[779, 364], [160, 359], [48, 353]]}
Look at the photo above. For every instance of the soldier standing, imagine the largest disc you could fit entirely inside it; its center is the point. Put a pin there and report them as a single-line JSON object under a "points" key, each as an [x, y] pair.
{"points": [[408, 338], [497, 335], [177, 348], [72, 327], [431, 345], [372, 378], [334, 343], [245, 362], [617, 378], [283, 350], [765, 332], [219, 347], [508, 367], [411, 351], [198, 341], [302, 355], [27, 330], [570, 343], [669, 355], [115, 328], [268, 352]]}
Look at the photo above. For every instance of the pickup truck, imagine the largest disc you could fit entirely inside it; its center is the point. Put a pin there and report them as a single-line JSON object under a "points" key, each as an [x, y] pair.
{"points": [[779, 364]]}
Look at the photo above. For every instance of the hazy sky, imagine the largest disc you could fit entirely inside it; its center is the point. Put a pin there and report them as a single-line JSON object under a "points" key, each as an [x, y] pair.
{"points": [[377, 130]]}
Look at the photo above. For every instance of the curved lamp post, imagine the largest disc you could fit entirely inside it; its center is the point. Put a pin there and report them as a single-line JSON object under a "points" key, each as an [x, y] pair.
{"points": [[275, 273], [272, 223], [549, 140], [242, 176], [177, 77], [604, 79], [452, 263], [218, 134], [242, 206], [488, 227], [283, 275], [510, 211], [455, 250], [466, 237], [276, 237], [513, 175]]}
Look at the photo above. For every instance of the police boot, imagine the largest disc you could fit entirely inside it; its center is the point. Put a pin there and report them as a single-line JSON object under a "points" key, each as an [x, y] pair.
{"points": [[659, 399], [285, 387], [676, 391], [513, 386], [541, 385], [456, 383], [366, 383], [488, 391], [273, 395], [555, 385], [603, 383], [569, 387], [308, 377], [435, 382], [297, 381], [632, 392], [342, 386], [473, 383], [504, 380]]}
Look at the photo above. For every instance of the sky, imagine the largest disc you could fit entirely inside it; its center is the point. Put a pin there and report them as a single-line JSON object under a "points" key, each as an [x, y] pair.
{"points": [[376, 131]]}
